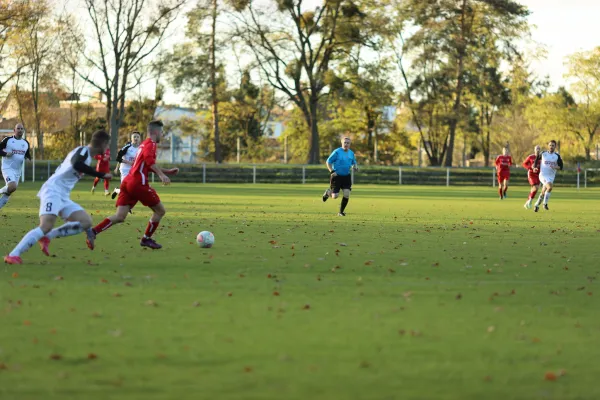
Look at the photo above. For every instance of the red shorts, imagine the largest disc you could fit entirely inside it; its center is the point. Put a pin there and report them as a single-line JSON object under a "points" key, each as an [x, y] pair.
{"points": [[502, 176], [534, 179], [132, 192]]}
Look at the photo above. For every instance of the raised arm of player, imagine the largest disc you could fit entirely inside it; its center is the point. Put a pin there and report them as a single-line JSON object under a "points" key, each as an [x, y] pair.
{"points": [[78, 163], [3, 145], [528, 163]]}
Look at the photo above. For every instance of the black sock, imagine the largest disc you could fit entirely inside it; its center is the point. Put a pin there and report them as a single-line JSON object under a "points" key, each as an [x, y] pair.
{"points": [[344, 204]]}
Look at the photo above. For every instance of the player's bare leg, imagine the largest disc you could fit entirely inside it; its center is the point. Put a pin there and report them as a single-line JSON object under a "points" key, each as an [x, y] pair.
{"points": [[344, 203], [500, 191], [32, 237], [77, 222], [6, 191], [96, 180], [505, 188], [106, 185], [119, 217], [536, 207], [158, 212], [547, 194], [532, 193]]}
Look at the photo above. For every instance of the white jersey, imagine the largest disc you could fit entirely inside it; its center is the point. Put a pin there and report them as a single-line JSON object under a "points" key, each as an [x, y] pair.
{"points": [[19, 149], [66, 176], [550, 160], [127, 153]]}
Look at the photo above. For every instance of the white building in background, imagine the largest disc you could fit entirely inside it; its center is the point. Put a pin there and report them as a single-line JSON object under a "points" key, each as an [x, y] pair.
{"points": [[179, 148]]}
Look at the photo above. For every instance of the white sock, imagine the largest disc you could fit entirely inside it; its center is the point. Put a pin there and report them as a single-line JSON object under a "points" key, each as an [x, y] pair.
{"points": [[117, 190], [4, 199], [68, 229], [539, 200], [4, 189], [31, 238], [547, 197]]}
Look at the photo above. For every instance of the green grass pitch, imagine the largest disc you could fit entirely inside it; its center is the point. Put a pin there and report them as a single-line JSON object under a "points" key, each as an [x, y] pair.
{"points": [[418, 293]]}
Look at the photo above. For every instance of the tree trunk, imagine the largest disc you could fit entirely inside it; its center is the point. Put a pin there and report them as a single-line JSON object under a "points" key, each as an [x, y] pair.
{"points": [[314, 153], [213, 84], [459, 88], [114, 111]]}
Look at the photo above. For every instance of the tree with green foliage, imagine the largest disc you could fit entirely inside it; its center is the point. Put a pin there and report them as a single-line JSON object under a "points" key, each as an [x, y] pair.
{"points": [[447, 35], [295, 45]]}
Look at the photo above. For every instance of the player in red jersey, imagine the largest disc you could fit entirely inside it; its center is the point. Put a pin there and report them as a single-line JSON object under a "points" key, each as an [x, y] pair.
{"points": [[532, 165], [135, 187], [503, 164], [103, 166]]}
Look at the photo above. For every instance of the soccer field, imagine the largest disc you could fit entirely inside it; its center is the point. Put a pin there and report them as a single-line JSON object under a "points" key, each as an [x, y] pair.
{"points": [[418, 293]]}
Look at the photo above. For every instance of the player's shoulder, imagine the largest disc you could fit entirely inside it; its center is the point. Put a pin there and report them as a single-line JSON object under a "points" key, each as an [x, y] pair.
{"points": [[6, 139]]}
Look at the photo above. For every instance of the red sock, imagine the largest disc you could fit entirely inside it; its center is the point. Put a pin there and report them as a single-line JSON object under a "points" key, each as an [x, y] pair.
{"points": [[102, 226], [532, 194], [106, 184], [96, 181], [151, 228]]}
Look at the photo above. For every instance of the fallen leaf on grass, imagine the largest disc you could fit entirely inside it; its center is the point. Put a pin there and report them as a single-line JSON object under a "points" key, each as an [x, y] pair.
{"points": [[247, 369], [491, 328], [151, 303], [26, 322], [196, 304], [92, 356], [58, 278], [229, 294], [550, 376], [306, 307], [103, 280], [3, 366], [55, 356], [458, 296], [15, 274], [275, 293]]}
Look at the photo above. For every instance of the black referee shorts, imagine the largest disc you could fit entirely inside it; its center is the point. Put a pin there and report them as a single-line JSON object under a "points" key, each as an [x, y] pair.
{"points": [[340, 182]]}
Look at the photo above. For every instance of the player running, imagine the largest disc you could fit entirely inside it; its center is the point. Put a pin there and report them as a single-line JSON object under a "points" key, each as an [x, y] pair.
{"points": [[339, 164], [135, 187], [103, 166], [126, 157], [13, 150], [532, 165], [550, 163], [55, 199], [503, 164]]}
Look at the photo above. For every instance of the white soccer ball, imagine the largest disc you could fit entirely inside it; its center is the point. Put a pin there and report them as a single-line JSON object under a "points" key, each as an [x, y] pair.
{"points": [[205, 239]]}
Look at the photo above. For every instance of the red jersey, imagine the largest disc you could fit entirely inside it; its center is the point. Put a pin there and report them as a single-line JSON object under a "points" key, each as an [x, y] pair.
{"points": [[103, 161], [531, 162], [144, 160], [503, 163]]}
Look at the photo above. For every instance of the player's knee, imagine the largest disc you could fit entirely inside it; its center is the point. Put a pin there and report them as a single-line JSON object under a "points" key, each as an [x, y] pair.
{"points": [[347, 193], [11, 187], [334, 195]]}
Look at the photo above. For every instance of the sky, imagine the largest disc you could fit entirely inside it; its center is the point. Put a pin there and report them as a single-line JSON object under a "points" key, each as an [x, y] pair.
{"points": [[562, 27]]}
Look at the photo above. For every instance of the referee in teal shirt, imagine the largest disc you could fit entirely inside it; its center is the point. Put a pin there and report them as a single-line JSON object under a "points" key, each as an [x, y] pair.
{"points": [[339, 164]]}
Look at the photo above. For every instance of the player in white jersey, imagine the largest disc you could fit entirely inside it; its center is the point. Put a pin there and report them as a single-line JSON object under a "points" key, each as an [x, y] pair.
{"points": [[55, 199], [549, 164], [13, 150], [126, 157]]}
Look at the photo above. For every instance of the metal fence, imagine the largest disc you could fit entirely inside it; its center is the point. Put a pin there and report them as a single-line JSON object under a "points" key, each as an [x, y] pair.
{"points": [[301, 174]]}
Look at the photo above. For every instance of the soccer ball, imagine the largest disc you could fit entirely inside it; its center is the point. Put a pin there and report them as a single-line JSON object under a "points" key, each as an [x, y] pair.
{"points": [[205, 239]]}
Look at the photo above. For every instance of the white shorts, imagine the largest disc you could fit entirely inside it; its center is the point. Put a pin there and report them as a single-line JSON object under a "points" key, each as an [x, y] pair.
{"points": [[546, 179], [11, 175], [57, 204], [123, 175]]}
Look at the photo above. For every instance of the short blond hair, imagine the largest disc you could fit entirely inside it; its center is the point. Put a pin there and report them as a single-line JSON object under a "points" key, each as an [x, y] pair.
{"points": [[346, 137]]}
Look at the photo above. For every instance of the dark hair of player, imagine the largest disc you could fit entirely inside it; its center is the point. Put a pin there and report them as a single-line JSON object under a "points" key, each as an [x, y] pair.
{"points": [[155, 124], [552, 141], [99, 138]]}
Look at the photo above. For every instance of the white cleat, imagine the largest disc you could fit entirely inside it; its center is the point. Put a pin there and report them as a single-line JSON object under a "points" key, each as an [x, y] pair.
{"points": [[527, 205]]}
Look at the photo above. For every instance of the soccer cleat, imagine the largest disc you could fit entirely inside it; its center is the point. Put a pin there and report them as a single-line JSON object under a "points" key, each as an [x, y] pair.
{"points": [[341, 214], [90, 239], [106, 193], [13, 260], [546, 207], [149, 242], [325, 195], [114, 194], [536, 208], [527, 205], [44, 243]]}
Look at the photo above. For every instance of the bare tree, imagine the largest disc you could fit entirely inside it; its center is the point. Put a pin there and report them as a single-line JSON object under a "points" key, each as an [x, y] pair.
{"points": [[126, 33], [294, 47]]}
